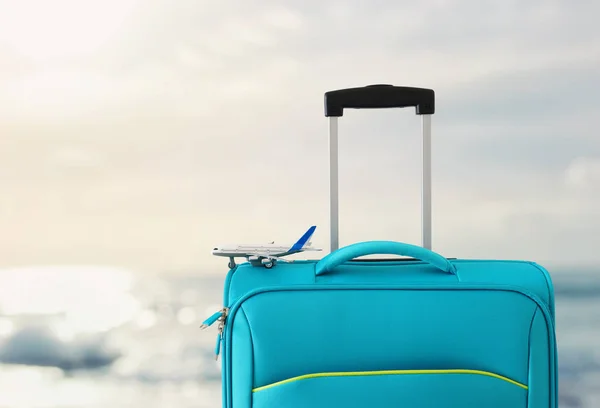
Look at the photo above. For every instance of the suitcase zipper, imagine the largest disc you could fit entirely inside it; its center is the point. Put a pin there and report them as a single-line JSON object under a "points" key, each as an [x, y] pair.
{"points": [[236, 305], [219, 316]]}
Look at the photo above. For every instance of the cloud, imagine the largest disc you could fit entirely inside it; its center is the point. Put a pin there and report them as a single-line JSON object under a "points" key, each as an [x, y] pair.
{"points": [[584, 174], [200, 64], [203, 123], [41, 32]]}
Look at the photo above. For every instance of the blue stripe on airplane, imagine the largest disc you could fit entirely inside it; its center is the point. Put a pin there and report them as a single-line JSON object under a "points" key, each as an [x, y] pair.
{"points": [[304, 239]]}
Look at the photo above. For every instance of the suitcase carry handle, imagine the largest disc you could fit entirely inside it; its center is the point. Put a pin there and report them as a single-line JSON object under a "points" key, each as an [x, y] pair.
{"points": [[347, 253], [379, 96]]}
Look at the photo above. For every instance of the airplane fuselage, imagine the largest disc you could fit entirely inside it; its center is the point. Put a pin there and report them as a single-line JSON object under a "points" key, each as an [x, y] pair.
{"points": [[249, 250]]}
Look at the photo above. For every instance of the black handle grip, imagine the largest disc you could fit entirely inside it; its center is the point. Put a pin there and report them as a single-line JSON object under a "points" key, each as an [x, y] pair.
{"points": [[379, 96]]}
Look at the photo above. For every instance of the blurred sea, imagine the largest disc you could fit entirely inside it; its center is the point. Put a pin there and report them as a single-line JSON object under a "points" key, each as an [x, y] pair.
{"points": [[104, 337]]}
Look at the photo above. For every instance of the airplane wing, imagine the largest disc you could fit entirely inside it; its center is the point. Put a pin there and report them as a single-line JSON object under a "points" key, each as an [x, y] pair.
{"points": [[256, 255], [264, 255]]}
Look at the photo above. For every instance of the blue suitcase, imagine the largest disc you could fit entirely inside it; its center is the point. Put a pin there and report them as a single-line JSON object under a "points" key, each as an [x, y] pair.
{"points": [[419, 332]]}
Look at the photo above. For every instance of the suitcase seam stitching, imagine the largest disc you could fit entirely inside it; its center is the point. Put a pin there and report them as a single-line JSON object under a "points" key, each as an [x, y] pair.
{"points": [[529, 352], [545, 274], [252, 347]]}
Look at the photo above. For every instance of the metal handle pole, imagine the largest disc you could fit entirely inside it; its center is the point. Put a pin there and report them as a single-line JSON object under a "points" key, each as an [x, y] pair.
{"points": [[426, 185], [333, 183]]}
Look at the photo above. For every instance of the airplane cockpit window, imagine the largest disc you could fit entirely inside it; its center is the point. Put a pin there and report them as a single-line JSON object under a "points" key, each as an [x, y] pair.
{"points": [[215, 249]]}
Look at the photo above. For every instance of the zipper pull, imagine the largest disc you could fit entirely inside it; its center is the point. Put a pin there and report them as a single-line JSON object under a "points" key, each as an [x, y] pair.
{"points": [[212, 319], [221, 329], [219, 316], [218, 347]]}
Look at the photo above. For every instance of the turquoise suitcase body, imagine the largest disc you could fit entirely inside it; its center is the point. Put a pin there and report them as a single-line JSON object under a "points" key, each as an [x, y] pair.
{"points": [[419, 332]]}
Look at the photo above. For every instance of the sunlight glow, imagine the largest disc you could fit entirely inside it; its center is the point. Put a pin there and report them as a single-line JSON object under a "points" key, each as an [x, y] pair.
{"points": [[6, 327], [87, 298], [186, 315], [41, 29]]}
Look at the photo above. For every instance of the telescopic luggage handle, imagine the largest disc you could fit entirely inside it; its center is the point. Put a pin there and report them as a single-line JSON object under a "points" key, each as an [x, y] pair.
{"points": [[377, 97]]}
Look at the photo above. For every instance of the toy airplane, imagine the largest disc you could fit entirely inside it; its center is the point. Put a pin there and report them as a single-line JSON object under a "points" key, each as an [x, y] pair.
{"points": [[266, 254]]}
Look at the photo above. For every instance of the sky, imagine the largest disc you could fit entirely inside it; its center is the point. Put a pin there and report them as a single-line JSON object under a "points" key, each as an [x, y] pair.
{"points": [[142, 134]]}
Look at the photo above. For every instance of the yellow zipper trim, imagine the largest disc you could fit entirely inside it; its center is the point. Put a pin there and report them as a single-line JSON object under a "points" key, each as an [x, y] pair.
{"points": [[389, 372]]}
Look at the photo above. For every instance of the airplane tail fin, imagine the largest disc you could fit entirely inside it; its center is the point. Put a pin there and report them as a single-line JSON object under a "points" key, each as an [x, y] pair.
{"points": [[304, 239]]}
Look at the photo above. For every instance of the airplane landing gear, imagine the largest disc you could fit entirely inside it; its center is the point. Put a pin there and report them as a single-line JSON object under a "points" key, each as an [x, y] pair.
{"points": [[268, 263], [231, 263]]}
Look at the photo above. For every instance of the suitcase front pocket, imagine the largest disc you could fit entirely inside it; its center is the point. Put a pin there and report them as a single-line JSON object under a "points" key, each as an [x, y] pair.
{"points": [[390, 389]]}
